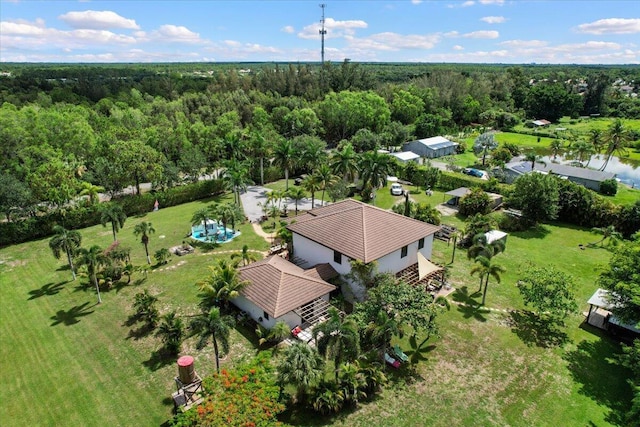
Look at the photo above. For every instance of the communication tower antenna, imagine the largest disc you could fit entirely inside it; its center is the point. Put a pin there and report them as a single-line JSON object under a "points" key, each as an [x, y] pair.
{"points": [[322, 33]]}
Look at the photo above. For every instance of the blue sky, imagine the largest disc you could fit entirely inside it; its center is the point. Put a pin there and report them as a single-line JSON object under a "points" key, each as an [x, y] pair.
{"points": [[480, 31]]}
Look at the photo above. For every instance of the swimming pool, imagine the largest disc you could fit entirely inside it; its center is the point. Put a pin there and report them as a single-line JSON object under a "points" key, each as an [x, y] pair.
{"points": [[214, 233]]}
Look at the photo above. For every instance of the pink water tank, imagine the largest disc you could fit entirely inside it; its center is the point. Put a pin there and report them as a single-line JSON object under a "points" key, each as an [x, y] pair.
{"points": [[186, 370]]}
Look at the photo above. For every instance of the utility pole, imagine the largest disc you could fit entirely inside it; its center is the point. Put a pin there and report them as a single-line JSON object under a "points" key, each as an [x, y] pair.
{"points": [[322, 34]]}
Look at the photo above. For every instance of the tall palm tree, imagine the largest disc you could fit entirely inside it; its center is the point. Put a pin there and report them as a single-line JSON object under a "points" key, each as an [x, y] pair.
{"points": [[325, 177], [225, 214], [215, 326], [92, 258], [582, 149], [481, 247], [533, 158], [171, 331], [201, 216], [556, 147], [374, 169], [337, 338], [260, 148], [67, 241], [486, 268], [595, 138], [222, 284], [245, 256], [236, 177], [344, 163], [302, 367], [483, 144], [143, 229], [296, 194], [616, 139], [93, 191], [285, 157], [311, 184], [113, 213]]}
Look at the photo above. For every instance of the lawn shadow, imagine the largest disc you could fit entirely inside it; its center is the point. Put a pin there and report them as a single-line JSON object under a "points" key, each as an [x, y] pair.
{"points": [[47, 289], [533, 330], [600, 376], [467, 305], [249, 334], [159, 359], [71, 316], [205, 246], [141, 331], [537, 232]]}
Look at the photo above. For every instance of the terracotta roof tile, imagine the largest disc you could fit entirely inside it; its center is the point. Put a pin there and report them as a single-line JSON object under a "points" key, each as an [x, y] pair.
{"points": [[278, 286], [360, 231]]}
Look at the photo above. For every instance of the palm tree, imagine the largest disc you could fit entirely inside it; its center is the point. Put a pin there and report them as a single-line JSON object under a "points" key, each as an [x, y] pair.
{"points": [[608, 232], [328, 398], [201, 216], [301, 367], [236, 176], [374, 169], [225, 213], [345, 163], [260, 148], [113, 213], [616, 138], [337, 338], [92, 258], [556, 147], [296, 194], [171, 331], [220, 286], [483, 144], [352, 382], [284, 157], [245, 256], [595, 138], [325, 177], [481, 247], [533, 158], [311, 184], [486, 268], [93, 191], [215, 326], [162, 256], [384, 328], [66, 241], [144, 229], [581, 149]]}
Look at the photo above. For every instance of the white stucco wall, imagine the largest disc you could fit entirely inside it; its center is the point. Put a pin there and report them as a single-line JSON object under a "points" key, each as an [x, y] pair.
{"points": [[255, 312]]}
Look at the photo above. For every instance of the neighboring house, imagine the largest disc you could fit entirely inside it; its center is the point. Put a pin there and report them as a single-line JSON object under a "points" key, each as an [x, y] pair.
{"points": [[431, 148], [589, 178], [280, 290], [540, 123], [352, 230], [459, 193], [406, 156]]}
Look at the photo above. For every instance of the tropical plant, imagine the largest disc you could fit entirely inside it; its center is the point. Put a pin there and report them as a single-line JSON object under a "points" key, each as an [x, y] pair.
{"points": [[171, 332], [302, 367], [143, 230], [383, 329], [162, 256], [145, 306], [608, 232], [483, 144], [245, 257], [311, 184], [616, 137], [352, 382], [215, 326], [481, 247], [325, 177], [222, 284], [113, 213], [362, 272], [374, 168], [92, 258], [279, 332], [486, 268], [328, 398], [344, 163], [201, 216], [284, 156], [534, 158], [67, 241], [237, 178], [296, 194], [337, 338], [92, 191], [556, 147]]}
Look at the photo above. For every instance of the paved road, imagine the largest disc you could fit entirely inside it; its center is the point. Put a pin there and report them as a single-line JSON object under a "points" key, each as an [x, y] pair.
{"points": [[255, 196]]}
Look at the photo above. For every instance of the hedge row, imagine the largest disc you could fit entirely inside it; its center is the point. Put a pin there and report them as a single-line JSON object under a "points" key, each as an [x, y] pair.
{"points": [[37, 227]]}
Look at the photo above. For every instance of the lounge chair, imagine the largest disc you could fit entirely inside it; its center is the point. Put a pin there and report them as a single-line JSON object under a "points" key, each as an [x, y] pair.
{"points": [[391, 361], [400, 354]]}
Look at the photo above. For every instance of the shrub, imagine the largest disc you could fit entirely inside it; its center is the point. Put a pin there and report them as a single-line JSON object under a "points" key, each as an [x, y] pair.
{"points": [[609, 187], [476, 202]]}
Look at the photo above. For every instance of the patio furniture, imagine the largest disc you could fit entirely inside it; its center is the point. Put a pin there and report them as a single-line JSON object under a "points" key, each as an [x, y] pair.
{"points": [[400, 354], [391, 361]]}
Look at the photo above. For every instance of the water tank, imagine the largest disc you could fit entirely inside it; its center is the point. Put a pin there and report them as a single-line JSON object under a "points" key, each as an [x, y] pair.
{"points": [[186, 370]]}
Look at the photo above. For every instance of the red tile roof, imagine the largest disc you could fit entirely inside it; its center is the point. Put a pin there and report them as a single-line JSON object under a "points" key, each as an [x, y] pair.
{"points": [[360, 231], [278, 286]]}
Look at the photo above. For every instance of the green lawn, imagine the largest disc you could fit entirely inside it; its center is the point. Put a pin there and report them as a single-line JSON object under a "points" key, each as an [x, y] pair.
{"points": [[69, 361]]}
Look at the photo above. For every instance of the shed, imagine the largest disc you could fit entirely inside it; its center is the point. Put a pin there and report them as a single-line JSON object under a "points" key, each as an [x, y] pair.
{"points": [[437, 146], [496, 235], [600, 315], [406, 156], [458, 193]]}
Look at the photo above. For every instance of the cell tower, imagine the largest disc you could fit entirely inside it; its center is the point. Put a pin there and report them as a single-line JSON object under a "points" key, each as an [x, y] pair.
{"points": [[322, 33]]}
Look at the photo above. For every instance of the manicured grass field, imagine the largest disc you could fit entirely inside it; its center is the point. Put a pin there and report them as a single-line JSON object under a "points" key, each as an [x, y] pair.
{"points": [[67, 361]]}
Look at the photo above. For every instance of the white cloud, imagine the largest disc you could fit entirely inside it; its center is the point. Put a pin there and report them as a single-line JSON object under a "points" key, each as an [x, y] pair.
{"points": [[288, 29], [468, 3], [458, 47], [393, 41], [334, 29], [496, 2], [233, 49], [493, 19], [175, 33], [98, 20], [523, 43], [482, 35], [416, 1], [611, 26]]}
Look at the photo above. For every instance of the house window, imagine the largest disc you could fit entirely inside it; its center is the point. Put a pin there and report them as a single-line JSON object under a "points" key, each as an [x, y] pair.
{"points": [[421, 243], [337, 257], [265, 315], [404, 251]]}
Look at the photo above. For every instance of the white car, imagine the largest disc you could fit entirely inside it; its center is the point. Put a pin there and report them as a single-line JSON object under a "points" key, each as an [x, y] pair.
{"points": [[396, 189]]}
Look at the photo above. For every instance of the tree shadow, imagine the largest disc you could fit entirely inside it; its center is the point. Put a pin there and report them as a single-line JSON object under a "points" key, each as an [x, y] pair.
{"points": [[468, 306], [594, 367], [141, 331], [64, 267], [536, 232], [47, 290], [159, 359], [71, 316], [205, 246], [249, 334], [533, 330]]}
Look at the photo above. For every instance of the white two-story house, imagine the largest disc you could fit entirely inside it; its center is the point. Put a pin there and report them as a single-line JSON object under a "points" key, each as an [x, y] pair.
{"points": [[352, 230]]}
